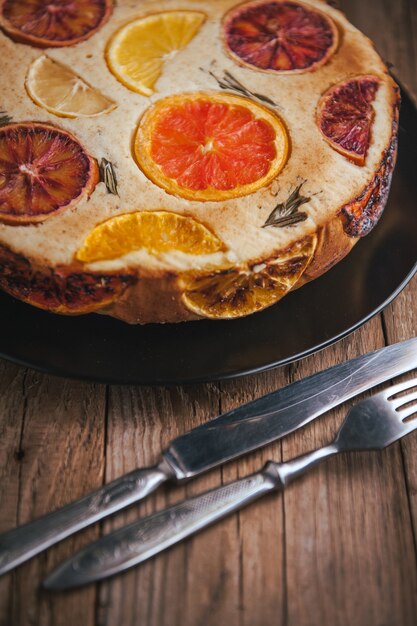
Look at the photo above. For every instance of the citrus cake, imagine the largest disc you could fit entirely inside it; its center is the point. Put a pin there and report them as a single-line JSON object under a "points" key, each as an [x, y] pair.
{"points": [[177, 160]]}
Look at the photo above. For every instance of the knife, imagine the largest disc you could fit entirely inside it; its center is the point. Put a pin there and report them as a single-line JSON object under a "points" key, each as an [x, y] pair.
{"points": [[219, 440]]}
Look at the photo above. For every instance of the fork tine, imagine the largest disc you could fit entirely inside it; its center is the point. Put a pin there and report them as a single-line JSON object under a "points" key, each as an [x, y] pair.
{"points": [[403, 400], [391, 391], [402, 414], [409, 427]]}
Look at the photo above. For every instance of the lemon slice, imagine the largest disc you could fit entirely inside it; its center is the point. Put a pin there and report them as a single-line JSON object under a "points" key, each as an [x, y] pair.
{"points": [[137, 52], [156, 231], [57, 89], [236, 292]]}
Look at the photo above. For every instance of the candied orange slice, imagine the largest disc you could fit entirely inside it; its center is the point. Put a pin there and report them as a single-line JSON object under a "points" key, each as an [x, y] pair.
{"points": [[136, 54], [57, 89], [237, 292], [279, 36], [60, 290], [53, 23], [345, 115], [43, 170], [156, 231], [210, 146]]}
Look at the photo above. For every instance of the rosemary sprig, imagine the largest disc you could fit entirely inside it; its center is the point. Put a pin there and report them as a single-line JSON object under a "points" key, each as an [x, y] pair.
{"points": [[108, 176], [287, 213], [230, 83], [4, 118]]}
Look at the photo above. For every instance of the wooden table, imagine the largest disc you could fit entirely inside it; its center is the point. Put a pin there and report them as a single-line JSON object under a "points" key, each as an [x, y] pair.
{"points": [[338, 548]]}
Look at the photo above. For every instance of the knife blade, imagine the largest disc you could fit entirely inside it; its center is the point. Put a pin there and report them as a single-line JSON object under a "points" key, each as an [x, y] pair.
{"points": [[217, 441]]}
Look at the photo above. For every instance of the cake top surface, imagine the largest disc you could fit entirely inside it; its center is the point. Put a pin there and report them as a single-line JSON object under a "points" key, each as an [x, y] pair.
{"points": [[330, 180]]}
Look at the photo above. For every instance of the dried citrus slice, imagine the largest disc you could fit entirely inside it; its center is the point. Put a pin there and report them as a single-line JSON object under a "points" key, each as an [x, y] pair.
{"points": [[53, 23], [137, 52], [60, 290], [43, 169], [210, 146], [345, 115], [235, 292], [156, 231], [57, 89], [279, 36]]}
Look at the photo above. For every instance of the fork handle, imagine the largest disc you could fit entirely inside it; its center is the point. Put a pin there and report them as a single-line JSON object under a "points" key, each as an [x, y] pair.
{"points": [[22, 543], [139, 541], [143, 539]]}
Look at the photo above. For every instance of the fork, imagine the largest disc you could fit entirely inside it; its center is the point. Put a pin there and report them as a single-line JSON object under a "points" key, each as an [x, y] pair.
{"points": [[372, 424]]}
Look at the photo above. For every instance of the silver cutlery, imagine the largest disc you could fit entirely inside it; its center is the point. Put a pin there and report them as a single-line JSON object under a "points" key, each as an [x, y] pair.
{"points": [[219, 440], [372, 424]]}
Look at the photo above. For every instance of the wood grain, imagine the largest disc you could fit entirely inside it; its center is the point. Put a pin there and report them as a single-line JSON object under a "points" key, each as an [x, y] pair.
{"points": [[60, 427], [338, 548]]}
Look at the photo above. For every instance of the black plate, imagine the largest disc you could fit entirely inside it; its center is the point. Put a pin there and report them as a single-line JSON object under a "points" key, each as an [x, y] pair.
{"points": [[99, 348]]}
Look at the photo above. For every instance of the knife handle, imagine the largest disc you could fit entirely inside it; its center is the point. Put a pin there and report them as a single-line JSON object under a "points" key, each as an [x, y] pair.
{"points": [[22, 543], [141, 540]]}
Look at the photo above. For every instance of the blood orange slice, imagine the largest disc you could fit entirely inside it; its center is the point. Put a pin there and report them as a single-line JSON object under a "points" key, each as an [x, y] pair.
{"points": [[345, 115], [236, 292], [279, 36], [210, 146], [61, 290], [43, 169], [53, 23]]}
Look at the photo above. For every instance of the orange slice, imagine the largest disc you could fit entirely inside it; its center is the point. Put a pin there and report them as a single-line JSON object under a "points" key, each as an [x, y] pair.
{"points": [[345, 115], [136, 54], [60, 290], [57, 89], [43, 170], [279, 36], [156, 231], [237, 292], [53, 23], [210, 146]]}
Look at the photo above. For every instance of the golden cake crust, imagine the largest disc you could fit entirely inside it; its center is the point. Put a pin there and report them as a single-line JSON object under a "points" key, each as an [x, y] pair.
{"points": [[345, 200]]}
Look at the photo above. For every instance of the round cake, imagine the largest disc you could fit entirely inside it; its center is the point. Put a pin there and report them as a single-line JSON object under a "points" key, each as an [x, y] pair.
{"points": [[177, 160]]}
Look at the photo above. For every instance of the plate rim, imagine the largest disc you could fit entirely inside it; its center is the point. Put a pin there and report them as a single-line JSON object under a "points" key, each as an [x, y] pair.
{"points": [[233, 375]]}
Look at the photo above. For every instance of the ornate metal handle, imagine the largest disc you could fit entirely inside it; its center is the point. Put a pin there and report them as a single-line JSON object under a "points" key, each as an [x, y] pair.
{"points": [[20, 544], [139, 541]]}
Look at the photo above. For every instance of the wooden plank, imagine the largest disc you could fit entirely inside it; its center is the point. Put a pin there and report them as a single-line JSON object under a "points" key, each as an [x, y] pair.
{"points": [[401, 322], [356, 562], [12, 408], [399, 44], [349, 546], [401, 316], [235, 568], [60, 458], [201, 581], [141, 422]]}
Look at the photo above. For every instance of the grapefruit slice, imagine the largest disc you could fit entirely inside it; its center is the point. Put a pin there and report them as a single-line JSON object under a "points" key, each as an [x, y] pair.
{"points": [[43, 170], [210, 146], [235, 292], [62, 290], [156, 231], [53, 23], [57, 89], [279, 36], [137, 52], [345, 115]]}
